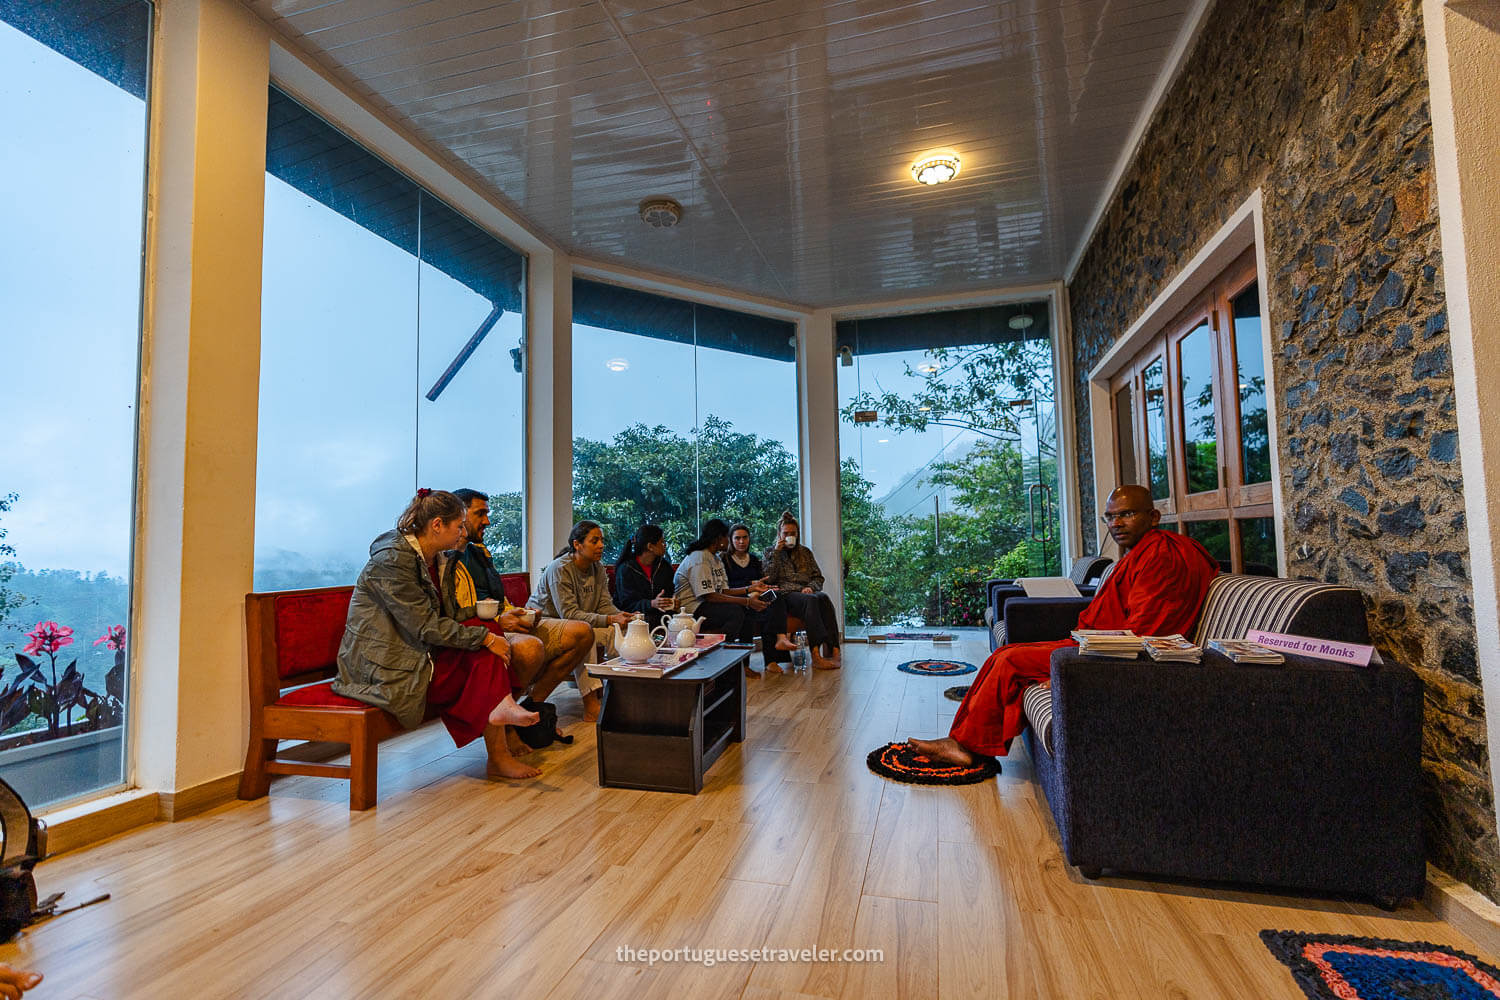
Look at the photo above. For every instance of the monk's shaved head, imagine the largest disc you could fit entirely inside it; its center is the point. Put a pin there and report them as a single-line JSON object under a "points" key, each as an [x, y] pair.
{"points": [[1129, 514], [1132, 496]]}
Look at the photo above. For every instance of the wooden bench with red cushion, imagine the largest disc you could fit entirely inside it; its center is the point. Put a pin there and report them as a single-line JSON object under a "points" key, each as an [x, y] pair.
{"points": [[293, 639]]}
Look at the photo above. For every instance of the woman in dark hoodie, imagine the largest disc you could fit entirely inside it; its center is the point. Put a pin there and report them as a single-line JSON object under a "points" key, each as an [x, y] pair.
{"points": [[401, 654], [643, 577]]}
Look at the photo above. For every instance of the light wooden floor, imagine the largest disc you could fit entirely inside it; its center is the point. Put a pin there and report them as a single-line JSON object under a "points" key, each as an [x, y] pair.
{"points": [[455, 887]]}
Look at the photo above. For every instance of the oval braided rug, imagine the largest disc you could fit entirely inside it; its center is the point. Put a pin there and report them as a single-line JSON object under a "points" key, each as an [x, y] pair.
{"points": [[936, 668], [902, 762]]}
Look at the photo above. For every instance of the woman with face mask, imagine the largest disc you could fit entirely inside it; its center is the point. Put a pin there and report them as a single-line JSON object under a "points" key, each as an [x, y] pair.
{"points": [[791, 568]]}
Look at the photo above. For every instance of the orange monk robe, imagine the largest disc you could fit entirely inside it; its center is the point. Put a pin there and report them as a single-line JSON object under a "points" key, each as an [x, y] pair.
{"points": [[1156, 589]]}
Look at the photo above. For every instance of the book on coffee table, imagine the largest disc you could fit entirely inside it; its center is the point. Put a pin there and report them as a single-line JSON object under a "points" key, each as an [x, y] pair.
{"points": [[661, 664]]}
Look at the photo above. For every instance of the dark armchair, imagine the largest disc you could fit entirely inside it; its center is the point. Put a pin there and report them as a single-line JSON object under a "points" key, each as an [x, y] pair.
{"points": [[1086, 572]]}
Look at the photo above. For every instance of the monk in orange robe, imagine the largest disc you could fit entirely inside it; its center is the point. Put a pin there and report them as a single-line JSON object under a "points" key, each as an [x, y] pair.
{"points": [[1157, 588]]}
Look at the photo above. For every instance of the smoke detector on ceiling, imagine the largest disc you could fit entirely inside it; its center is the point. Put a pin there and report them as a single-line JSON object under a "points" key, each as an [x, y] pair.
{"points": [[660, 213]]}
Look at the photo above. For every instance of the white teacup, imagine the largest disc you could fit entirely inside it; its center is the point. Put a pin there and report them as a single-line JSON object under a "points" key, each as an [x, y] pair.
{"points": [[488, 609]]}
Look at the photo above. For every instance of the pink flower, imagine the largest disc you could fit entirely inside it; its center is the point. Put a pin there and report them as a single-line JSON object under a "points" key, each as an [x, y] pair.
{"points": [[48, 637], [113, 638]]}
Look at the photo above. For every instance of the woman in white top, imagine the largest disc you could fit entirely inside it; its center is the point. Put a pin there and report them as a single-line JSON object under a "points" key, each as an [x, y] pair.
{"points": [[703, 590]]}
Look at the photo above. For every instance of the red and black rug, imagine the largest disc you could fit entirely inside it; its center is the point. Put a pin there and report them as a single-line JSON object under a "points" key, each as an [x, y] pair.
{"points": [[1339, 967], [936, 668], [956, 693], [901, 762]]}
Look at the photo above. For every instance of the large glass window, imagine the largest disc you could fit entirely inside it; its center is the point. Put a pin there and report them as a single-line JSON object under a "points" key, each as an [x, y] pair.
{"points": [[681, 412], [1195, 370], [948, 440], [391, 357], [73, 78]]}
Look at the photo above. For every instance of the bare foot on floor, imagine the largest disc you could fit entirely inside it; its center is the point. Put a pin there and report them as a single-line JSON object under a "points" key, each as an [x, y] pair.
{"points": [[514, 744], [948, 750], [508, 767], [751, 673], [773, 668], [591, 707], [823, 663], [14, 982], [508, 713]]}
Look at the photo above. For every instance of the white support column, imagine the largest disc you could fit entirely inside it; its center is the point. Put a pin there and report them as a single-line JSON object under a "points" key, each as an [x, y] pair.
{"points": [[1463, 63], [818, 399], [201, 374], [549, 399], [1065, 425]]}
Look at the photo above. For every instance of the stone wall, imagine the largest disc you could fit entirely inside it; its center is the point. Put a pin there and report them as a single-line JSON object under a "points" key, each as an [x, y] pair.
{"points": [[1324, 108]]}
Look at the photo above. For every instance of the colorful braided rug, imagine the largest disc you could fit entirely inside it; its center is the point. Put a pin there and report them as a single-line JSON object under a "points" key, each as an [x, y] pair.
{"points": [[956, 693], [1339, 967], [901, 762], [937, 668]]}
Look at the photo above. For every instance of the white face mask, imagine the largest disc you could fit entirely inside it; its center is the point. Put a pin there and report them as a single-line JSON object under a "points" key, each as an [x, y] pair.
{"points": [[790, 541]]}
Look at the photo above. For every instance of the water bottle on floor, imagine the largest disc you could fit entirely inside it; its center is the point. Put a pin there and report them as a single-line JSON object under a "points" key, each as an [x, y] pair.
{"points": [[800, 657]]}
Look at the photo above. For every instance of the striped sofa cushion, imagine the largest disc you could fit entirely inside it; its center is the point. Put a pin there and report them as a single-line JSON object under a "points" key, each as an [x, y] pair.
{"points": [[997, 632], [1037, 704], [1235, 604]]}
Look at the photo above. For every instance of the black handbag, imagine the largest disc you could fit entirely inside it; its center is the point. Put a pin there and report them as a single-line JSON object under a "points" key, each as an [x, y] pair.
{"points": [[543, 732], [23, 842]]}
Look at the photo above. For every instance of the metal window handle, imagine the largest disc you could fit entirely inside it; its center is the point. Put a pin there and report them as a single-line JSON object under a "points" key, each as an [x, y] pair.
{"points": [[1031, 495]]}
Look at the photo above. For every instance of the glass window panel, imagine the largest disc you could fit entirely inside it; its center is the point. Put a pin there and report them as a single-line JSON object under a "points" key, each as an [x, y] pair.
{"points": [[1155, 406], [1213, 534], [1196, 383], [471, 408], [72, 181], [1258, 544], [1125, 434], [1255, 437], [336, 457]]}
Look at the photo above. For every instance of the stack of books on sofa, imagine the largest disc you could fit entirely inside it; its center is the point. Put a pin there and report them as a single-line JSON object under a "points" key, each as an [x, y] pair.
{"points": [[1119, 644], [1173, 649], [1245, 651]]}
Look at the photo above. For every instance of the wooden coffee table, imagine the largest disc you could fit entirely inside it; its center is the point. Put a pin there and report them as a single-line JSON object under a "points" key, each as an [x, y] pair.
{"points": [[662, 733]]}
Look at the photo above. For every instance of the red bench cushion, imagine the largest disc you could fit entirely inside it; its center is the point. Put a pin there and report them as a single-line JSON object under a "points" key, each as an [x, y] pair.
{"points": [[308, 630], [319, 696], [517, 588]]}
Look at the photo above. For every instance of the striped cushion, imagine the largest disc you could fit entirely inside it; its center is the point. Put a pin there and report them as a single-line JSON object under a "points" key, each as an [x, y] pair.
{"points": [[997, 632], [1037, 704], [1235, 604]]}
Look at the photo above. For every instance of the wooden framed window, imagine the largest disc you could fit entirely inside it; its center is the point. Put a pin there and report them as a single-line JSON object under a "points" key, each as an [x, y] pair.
{"points": [[1191, 422]]}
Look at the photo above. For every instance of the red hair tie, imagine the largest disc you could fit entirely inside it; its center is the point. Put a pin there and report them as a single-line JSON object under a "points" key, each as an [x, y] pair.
{"points": [[423, 493]]}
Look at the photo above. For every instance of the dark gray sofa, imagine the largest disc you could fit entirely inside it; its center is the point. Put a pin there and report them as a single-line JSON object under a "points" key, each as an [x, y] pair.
{"points": [[1086, 573], [1302, 775]]}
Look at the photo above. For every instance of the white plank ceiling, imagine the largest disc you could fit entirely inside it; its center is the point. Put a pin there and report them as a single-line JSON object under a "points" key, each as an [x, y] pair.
{"points": [[785, 128]]}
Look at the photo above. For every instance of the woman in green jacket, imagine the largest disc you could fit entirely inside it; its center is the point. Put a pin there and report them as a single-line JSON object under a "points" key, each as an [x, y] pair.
{"points": [[401, 654]]}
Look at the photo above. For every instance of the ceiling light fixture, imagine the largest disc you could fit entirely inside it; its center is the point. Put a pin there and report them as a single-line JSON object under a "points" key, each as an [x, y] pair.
{"points": [[617, 364], [927, 367], [1020, 321], [660, 213], [939, 168]]}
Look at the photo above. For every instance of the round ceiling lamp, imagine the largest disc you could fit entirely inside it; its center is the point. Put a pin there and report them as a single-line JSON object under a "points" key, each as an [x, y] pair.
{"points": [[660, 213], [939, 168], [617, 364], [1020, 321]]}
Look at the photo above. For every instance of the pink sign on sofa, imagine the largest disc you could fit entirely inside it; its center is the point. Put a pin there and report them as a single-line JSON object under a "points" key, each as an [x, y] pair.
{"points": [[1322, 649]]}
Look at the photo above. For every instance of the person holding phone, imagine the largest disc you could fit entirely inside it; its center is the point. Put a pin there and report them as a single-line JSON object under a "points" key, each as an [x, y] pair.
{"points": [[703, 590], [643, 576]]}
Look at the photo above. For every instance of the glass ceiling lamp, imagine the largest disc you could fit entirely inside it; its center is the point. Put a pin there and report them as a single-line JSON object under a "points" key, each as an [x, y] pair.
{"points": [[938, 168]]}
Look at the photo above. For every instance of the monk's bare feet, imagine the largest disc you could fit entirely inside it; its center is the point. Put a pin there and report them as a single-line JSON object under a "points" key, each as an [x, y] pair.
{"points": [[514, 743], [508, 713], [501, 765], [14, 982], [591, 704], [948, 750]]}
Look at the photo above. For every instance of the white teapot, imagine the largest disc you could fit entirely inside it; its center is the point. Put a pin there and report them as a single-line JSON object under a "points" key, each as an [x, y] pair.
{"points": [[682, 620], [636, 646]]}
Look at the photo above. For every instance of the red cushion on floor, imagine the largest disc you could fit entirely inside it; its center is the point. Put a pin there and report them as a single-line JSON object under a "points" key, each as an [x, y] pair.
{"points": [[309, 627], [319, 696]]}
